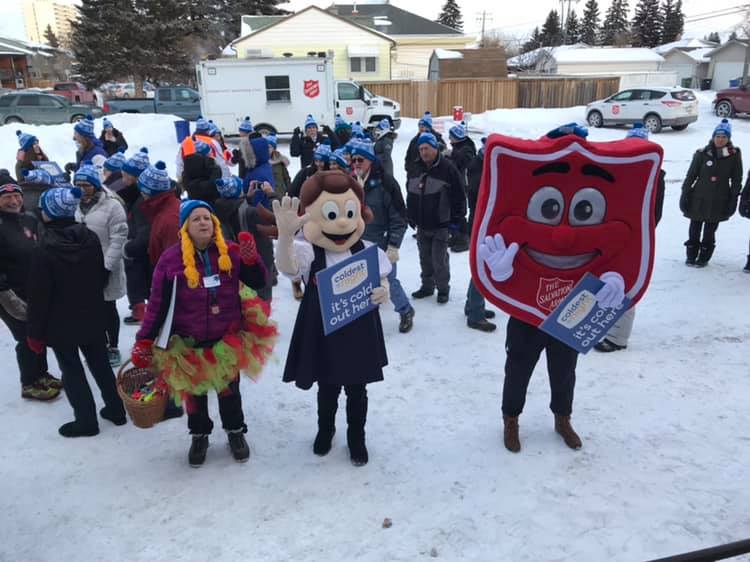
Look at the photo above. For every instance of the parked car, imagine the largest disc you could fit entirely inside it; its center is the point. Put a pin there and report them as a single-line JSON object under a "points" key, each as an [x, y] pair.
{"points": [[42, 109], [181, 101], [655, 107], [75, 92], [127, 90], [731, 101]]}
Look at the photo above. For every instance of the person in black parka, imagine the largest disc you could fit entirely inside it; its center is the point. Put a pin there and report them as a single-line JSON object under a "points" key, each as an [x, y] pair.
{"points": [[305, 145], [710, 192], [113, 141], [200, 174], [463, 151], [412, 162], [66, 310]]}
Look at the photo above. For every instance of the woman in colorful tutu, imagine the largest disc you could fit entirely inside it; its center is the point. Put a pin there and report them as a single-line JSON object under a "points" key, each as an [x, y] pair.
{"points": [[218, 327]]}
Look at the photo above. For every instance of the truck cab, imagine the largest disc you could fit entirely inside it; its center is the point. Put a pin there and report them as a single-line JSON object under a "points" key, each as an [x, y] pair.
{"points": [[356, 103]]}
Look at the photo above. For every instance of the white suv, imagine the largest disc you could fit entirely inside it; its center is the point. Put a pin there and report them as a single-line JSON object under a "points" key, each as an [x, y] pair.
{"points": [[655, 107]]}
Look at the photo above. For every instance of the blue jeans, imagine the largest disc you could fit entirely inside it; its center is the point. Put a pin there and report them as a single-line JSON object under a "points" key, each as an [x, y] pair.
{"points": [[398, 297], [474, 307]]}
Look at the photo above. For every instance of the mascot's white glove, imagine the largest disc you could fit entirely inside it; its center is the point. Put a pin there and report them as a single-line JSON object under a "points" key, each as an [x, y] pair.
{"points": [[392, 253], [288, 222], [613, 292], [380, 295], [498, 257]]}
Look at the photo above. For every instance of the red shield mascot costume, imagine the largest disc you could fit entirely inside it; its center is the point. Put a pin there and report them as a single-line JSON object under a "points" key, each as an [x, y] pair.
{"points": [[549, 211]]}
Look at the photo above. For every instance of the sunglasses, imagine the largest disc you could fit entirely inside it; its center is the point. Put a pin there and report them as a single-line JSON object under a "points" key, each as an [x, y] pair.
{"points": [[358, 159]]}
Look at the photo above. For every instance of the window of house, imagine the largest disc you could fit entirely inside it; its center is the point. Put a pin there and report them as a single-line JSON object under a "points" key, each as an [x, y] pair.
{"points": [[363, 64], [277, 89]]}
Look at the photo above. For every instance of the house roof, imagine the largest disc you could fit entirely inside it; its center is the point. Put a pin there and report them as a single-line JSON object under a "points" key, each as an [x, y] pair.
{"points": [[720, 48], [401, 21], [700, 55], [282, 19], [686, 44], [10, 46], [256, 23], [530, 58], [443, 54], [608, 55]]}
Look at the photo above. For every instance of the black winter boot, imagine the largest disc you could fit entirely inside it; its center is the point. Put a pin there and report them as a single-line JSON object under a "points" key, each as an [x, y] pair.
{"points": [[747, 265], [198, 448], [356, 416], [423, 292], [407, 321], [238, 445], [704, 256], [328, 403], [691, 249]]}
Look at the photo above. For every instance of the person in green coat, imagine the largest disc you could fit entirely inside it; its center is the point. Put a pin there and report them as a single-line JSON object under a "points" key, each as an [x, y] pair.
{"points": [[710, 192]]}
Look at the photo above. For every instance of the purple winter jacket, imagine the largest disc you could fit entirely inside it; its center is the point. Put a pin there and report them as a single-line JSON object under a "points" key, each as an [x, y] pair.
{"points": [[192, 314]]}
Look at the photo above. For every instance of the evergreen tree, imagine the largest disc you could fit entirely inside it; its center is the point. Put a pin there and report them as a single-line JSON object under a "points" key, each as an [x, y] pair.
{"points": [[615, 22], [674, 22], [534, 42], [572, 29], [647, 24], [51, 38], [590, 23], [551, 30], [450, 15], [713, 37], [732, 37]]}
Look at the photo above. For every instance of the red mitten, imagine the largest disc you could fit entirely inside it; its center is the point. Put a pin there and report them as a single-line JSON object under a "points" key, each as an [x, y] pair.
{"points": [[37, 346], [248, 250], [141, 355]]}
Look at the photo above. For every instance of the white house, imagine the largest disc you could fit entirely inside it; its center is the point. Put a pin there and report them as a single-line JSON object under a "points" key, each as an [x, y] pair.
{"points": [[606, 60], [685, 44], [726, 64], [691, 66]]}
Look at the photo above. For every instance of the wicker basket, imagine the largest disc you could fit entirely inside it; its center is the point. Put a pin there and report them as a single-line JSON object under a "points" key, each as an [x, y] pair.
{"points": [[143, 414]]}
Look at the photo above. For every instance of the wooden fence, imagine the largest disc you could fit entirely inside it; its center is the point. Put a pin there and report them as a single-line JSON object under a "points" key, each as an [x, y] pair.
{"points": [[479, 95]]}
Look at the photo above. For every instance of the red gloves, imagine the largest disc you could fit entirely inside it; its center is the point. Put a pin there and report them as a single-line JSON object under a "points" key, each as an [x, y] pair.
{"points": [[248, 250], [141, 355], [37, 346]]}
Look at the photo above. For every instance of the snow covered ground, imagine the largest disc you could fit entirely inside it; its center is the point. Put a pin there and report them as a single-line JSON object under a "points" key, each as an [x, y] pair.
{"points": [[663, 469]]}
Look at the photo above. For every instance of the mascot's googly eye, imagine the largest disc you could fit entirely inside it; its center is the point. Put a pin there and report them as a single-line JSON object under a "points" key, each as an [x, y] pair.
{"points": [[330, 211], [587, 207], [351, 209], [546, 206]]}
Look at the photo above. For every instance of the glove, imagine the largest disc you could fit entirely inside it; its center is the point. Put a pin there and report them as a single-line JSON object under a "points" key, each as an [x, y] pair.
{"points": [[380, 295], [569, 129], [35, 345], [236, 156], [745, 208], [287, 216], [13, 305], [70, 167], [392, 253], [498, 257], [297, 131], [685, 202], [613, 292], [248, 249], [260, 198], [142, 354]]}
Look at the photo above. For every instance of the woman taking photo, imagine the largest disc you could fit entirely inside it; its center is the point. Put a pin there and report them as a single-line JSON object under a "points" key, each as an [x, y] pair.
{"points": [[709, 193], [217, 328], [29, 152]]}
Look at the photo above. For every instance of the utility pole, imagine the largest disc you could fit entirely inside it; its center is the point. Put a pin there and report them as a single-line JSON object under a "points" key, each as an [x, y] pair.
{"points": [[484, 17]]}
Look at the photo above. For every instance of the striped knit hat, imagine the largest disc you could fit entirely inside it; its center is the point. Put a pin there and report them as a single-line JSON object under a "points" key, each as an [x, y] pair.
{"points": [[136, 164], [85, 127], [154, 179]]}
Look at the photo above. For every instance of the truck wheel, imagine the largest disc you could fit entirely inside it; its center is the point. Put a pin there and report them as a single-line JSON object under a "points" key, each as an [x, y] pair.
{"points": [[14, 120], [76, 118], [652, 122], [265, 129], [724, 109]]}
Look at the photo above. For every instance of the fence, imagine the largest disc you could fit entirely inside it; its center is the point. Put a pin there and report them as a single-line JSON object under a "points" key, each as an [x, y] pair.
{"points": [[479, 95]]}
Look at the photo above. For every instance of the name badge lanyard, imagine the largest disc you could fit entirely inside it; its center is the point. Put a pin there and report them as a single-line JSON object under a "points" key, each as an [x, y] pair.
{"points": [[206, 259]]}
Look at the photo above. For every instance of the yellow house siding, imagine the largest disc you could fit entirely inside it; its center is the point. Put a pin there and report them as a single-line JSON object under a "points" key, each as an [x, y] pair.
{"points": [[412, 56], [315, 31]]}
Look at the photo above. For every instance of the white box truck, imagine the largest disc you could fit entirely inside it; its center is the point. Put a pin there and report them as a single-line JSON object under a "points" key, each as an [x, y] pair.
{"points": [[278, 93]]}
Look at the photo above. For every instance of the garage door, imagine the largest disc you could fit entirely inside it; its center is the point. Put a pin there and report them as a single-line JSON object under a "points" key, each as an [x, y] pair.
{"points": [[724, 72]]}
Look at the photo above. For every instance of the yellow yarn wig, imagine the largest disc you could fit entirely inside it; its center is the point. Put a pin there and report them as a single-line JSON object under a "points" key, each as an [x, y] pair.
{"points": [[188, 253]]}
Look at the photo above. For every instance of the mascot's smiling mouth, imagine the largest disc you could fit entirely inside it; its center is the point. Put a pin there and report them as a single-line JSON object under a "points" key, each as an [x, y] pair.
{"points": [[561, 262], [339, 239]]}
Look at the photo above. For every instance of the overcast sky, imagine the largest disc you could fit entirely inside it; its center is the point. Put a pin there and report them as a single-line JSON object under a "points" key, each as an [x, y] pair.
{"points": [[514, 18]]}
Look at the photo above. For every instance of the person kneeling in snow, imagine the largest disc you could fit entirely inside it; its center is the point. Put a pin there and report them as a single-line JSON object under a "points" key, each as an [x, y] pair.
{"points": [[333, 224]]}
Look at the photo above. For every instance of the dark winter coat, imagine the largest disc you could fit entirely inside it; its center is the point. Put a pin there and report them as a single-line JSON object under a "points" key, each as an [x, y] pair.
{"points": [[300, 178], [304, 146], [112, 147], [712, 184], [139, 227], [87, 155], [282, 181], [163, 213], [199, 178], [383, 196], [18, 240], [436, 197], [31, 194], [462, 154], [66, 286], [660, 189], [192, 316], [344, 135], [383, 150], [474, 180], [263, 170], [412, 161]]}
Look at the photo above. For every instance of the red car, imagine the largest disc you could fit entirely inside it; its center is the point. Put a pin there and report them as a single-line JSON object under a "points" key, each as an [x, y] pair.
{"points": [[75, 92], [730, 101]]}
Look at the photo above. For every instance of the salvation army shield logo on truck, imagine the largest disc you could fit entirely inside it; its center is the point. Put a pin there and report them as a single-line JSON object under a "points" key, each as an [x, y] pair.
{"points": [[312, 88]]}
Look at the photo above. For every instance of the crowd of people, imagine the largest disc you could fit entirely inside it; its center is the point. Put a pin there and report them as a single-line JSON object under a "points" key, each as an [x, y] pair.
{"points": [[115, 225]]}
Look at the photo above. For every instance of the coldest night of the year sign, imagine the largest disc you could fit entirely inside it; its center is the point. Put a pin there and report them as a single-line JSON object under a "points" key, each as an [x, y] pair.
{"points": [[344, 289]]}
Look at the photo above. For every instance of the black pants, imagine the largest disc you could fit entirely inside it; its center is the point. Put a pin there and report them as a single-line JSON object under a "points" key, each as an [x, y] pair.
{"points": [[433, 258], [138, 277], [230, 410], [356, 406], [523, 345], [31, 365], [77, 387], [112, 324], [709, 233]]}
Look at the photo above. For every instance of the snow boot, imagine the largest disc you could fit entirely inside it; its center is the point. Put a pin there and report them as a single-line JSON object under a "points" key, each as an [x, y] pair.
{"points": [[423, 293], [328, 404], [136, 314], [607, 346], [407, 321], [50, 382], [238, 445], [115, 418], [39, 391], [510, 434], [356, 416], [566, 431], [691, 249], [482, 325], [443, 297], [459, 243], [198, 448], [746, 269], [704, 256], [76, 429], [489, 314]]}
